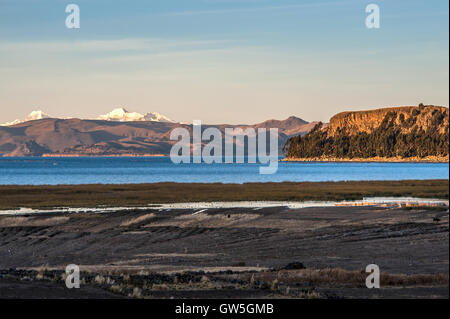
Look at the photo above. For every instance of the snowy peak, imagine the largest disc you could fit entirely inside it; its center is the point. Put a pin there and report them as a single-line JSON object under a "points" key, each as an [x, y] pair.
{"points": [[119, 115], [156, 117], [11, 123], [122, 115], [35, 115]]}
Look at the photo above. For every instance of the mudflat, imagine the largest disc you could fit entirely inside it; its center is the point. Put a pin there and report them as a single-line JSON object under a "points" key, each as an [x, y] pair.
{"points": [[272, 252]]}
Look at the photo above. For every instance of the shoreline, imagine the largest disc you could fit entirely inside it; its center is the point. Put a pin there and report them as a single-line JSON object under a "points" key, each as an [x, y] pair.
{"points": [[106, 155], [428, 159], [121, 195], [84, 156], [203, 207], [439, 160]]}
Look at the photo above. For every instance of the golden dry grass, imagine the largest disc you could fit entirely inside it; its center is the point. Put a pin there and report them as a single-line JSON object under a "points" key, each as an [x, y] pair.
{"points": [[339, 276], [12, 197]]}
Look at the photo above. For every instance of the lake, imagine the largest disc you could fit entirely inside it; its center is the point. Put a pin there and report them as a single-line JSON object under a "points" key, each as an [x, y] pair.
{"points": [[124, 170]]}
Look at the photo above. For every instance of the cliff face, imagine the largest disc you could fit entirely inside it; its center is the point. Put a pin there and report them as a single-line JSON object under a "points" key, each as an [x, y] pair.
{"points": [[402, 132], [406, 118]]}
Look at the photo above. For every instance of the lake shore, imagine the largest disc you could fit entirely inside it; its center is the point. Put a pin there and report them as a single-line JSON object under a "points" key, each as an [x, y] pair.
{"points": [[126, 195], [102, 155], [428, 159]]}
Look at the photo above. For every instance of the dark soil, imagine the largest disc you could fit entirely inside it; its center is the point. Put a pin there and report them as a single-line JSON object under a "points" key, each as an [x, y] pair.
{"points": [[228, 253]]}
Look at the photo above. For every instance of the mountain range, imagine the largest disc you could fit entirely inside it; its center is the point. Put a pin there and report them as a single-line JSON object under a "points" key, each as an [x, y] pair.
{"points": [[122, 115], [119, 115], [35, 115], [117, 133], [409, 132]]}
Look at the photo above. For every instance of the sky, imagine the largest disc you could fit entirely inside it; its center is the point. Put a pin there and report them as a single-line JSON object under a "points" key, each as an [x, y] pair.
{"points": [[221, 61]]}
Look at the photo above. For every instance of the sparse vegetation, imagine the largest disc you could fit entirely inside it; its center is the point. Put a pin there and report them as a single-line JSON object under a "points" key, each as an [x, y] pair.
{"points": [[342, 277], [42, 273], [287, 284]]}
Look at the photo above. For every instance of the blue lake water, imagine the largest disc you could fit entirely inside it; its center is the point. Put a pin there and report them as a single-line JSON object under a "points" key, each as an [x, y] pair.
{"points": [[121, 170]]}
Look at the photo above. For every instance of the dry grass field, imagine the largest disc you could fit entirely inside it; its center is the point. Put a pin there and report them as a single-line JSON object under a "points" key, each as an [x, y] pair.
{"points": [[12, 197]]}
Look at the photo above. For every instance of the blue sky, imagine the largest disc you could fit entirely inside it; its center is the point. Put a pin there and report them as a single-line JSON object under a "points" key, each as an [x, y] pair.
{"points": [[221, 61]]}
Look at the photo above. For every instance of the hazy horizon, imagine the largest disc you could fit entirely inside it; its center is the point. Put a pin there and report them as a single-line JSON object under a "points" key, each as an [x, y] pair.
{"points": [[183, 122], [221, 61]]}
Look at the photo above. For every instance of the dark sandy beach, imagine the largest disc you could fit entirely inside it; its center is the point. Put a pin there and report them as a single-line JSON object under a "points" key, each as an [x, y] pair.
{"points": [[228, 253]]}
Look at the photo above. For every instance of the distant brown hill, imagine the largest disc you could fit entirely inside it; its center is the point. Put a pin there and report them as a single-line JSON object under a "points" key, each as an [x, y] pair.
{"points": [[96, 137], [409, 132]]}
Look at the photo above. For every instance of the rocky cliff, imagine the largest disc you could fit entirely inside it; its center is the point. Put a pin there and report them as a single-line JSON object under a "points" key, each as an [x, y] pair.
{"points": [[409, 132], [406, 117]]}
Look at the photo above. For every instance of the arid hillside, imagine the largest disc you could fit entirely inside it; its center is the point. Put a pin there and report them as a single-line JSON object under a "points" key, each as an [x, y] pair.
{"points": [[406, 117], [400, 133], [96, 137]]}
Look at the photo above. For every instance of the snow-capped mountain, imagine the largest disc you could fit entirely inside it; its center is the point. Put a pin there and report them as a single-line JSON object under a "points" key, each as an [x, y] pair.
{"points": [[122, 115], [11, 123], [119, 115], [35, 115], [157, 117]]}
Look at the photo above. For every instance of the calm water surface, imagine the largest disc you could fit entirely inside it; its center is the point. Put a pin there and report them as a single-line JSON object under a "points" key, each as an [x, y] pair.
{"points": [[121, 170]]}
